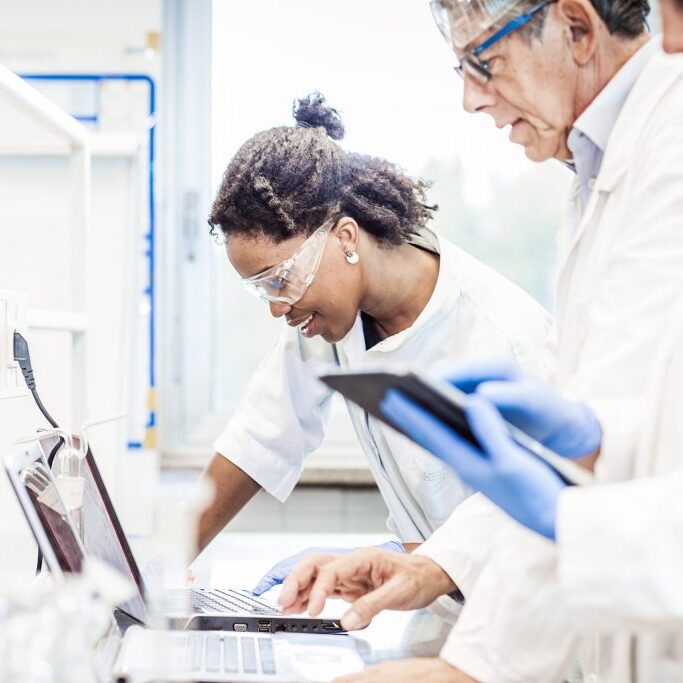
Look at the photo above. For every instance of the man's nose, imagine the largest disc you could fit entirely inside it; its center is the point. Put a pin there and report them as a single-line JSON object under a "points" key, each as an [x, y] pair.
{"points": [[278, 309], [477, 95]]}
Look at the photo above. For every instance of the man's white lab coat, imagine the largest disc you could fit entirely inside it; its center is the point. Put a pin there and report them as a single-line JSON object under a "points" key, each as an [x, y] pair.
{"points": [[621, 272], [620, 546], [473, 313], [611, 589]]}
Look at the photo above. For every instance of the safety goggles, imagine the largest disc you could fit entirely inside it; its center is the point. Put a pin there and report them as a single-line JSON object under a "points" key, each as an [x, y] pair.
{"points": [[288, 281], [461, 21]]}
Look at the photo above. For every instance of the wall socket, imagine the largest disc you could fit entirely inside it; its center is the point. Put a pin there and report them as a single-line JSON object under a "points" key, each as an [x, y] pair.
{"points": [[13, 316]]}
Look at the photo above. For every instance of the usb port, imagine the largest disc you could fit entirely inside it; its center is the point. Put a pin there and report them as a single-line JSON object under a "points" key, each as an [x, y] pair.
{"points": [[329, 627], [264, 626]]}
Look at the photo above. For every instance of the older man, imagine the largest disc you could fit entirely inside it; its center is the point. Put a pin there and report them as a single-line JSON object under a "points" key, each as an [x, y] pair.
{"points": [[619, 555], [580, 82]]}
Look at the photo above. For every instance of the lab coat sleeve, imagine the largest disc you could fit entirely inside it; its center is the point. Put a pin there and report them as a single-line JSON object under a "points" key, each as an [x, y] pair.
{"points": [[620, 549], [282, 416], [627, 312], [514, 627], [462, 544]]}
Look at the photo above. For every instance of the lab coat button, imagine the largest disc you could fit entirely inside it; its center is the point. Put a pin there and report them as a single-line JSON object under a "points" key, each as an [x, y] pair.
{"points": [[591, 678], [591, 183]]}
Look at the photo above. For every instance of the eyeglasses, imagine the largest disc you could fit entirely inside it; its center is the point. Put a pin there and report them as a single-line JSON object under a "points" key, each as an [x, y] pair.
{"points": [[288, 281], [471, 63]]}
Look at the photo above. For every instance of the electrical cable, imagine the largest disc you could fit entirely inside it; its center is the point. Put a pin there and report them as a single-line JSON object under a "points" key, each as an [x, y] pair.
{"points": [[23, 357]]}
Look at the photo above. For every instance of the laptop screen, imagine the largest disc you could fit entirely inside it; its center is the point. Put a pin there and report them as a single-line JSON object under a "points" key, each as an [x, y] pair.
{"points": [[103, 536], [39, 486]]}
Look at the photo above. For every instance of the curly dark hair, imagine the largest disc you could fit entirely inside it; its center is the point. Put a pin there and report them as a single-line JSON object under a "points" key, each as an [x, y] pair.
{"points": [[626, 19], [289, 180]]}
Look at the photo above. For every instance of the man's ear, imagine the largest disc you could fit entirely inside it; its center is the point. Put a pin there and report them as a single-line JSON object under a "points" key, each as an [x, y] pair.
{"points": [[583, 27], [347, 233]]}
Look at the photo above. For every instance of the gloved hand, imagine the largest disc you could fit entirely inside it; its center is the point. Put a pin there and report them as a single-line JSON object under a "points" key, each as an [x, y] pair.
{"points": [[512, 478], [569, 428], [279, 572]]}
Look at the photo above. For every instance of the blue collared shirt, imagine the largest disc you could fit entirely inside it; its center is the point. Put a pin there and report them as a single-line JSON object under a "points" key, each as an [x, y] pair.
{"points": [[588, 137]]}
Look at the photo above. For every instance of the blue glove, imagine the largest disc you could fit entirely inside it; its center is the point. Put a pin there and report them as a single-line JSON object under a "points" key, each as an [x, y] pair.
{"points": [[569, 428], [508, 475], [278, 573]]}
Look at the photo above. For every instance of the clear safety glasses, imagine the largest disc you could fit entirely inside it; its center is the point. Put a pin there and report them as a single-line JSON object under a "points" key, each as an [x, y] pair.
{"points": [[288, 281], [460, 21]]}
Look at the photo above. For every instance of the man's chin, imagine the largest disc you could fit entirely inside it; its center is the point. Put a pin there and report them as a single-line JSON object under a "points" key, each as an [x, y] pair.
{"points": [[533, 153], [673, 44], [536, 147]]}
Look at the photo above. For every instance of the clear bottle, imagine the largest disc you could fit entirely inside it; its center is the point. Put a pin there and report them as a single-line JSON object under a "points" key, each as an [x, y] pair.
{"points": [[69, 473]]}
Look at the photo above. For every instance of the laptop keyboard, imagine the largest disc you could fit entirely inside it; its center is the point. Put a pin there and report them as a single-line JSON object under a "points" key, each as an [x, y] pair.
{"points": [[222, 653], [229, 600]]}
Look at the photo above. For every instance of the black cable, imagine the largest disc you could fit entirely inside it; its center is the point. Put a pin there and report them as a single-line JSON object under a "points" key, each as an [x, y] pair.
{"points": [[23, 357], [42, 409]]}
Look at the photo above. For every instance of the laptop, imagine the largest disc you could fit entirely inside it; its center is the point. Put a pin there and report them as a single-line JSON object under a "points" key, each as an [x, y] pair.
{"points": [[135, 654], [224, 609]]}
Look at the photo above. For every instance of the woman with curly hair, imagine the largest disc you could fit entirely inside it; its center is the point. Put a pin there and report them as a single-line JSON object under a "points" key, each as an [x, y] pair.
{"points": [[337, 244]]}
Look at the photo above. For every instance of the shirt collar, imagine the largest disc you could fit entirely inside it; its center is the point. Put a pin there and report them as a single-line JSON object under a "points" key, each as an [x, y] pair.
{"points": [[598, 119]]}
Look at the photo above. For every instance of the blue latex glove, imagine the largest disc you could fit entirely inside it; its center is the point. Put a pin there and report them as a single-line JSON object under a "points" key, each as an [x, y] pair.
{"points": [[508, 475], [567, 427], [278, 573]]}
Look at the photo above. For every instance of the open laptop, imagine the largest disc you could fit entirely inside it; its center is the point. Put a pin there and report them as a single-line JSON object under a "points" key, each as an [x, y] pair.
{"points": [[138, 655], [103, 537]]}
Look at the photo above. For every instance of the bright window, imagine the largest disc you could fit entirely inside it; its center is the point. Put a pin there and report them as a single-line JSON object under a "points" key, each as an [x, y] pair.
{"points": [[385, 66]]}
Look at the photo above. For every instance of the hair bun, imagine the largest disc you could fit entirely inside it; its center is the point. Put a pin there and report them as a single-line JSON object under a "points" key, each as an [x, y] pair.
{"points": [[312, 112]]}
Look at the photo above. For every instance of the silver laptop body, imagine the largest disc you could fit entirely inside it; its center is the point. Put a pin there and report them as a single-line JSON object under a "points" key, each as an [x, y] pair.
{"points": [[224, 609]]}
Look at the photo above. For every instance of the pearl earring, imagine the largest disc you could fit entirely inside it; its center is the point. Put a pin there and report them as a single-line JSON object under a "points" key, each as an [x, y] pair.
{"points": [[352, 257]]}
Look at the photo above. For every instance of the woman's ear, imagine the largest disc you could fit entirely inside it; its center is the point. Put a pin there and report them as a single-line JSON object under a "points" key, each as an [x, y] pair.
{"points": [[583, 22], [347, 233]]}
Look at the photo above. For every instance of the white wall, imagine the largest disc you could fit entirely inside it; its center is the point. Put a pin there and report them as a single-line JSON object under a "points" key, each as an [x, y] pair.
{"points": [[86, 36], [37, 259]]}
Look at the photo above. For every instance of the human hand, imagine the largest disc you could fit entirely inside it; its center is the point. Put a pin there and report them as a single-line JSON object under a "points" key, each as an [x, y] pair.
{"points": [[279, 572], [567, 427], [511, 477], [423, 669], [371, 579]]}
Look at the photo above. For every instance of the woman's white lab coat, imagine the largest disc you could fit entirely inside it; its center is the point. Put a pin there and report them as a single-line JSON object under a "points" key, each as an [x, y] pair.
{"points": [[621, 273], [473, 313]]}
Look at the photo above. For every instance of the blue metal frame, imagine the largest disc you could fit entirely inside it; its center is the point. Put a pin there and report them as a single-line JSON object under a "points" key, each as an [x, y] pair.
{"points": [[150, 290]]}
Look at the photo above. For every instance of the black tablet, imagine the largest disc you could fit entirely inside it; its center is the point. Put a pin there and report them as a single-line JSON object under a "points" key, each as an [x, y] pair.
{"points": [[444, 401]]}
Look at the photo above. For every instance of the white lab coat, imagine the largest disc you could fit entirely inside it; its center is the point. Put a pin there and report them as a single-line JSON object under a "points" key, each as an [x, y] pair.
{"points": [[621, 271], [616, 568], [473, 313], [620, 546]]}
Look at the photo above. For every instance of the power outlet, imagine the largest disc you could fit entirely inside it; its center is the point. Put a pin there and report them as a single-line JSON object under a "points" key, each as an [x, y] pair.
{"points": [[13, 310]]}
